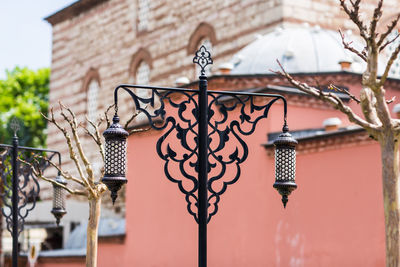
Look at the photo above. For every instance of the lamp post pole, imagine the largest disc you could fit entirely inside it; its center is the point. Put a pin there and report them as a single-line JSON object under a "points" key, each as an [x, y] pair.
{"points": [[203, 136], [203, 167], [14, 200], [16, 211]]}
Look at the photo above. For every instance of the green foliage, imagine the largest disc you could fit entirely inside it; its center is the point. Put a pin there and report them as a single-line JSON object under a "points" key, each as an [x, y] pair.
{"points": [[24, 94]]}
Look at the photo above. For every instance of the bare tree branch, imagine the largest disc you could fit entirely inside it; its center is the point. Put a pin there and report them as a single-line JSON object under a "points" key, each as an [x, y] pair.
{"points": [[74, 129], [69, 190], [335, 88], [131, 119], [138, 130], [330, 98], [72, 153], [63, 173], [39, 174], [375, 18], [107, 119], [96, 136], [388, 43], [347, 45], [354, 15], [388, 30]]}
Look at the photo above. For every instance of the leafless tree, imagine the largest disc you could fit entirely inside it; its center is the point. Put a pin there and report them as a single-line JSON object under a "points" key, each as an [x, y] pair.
{"points": [[376, 119]]}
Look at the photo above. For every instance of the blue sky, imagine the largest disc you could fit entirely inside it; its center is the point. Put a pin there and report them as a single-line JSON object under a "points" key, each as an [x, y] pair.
{"points": [[25, 38]]}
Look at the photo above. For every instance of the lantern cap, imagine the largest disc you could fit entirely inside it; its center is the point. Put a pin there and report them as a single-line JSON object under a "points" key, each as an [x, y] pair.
{"points": [[115, 130], [59, 179], [285, 138]]}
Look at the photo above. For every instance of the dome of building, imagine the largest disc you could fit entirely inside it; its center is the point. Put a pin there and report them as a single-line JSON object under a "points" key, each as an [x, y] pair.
{"points": [[300, 50]]}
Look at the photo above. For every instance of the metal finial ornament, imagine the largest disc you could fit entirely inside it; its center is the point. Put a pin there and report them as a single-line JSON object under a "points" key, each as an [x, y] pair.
{"points": [[115, 157], [203, 58], [285, 164], [15, 126]]}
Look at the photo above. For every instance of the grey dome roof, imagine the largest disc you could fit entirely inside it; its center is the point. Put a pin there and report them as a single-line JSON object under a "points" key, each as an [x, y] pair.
{"points": [[300, 50]]}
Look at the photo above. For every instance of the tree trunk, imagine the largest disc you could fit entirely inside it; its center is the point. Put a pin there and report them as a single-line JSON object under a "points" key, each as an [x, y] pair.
{"points": [[92, 231], [390, 173]]}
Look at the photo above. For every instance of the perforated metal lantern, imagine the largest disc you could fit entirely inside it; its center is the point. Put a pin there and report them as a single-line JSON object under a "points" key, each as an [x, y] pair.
{"points": [[285, 164], [59, 199], [115, 157]]}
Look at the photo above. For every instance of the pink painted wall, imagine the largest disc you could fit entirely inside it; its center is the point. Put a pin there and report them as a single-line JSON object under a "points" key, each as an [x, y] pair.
{"points": [[335, 217]]}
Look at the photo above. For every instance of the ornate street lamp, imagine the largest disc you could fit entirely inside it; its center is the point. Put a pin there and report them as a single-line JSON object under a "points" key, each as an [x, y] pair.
{"points": [[285, 164], [203, 127], [115, 158], [59, 199], [20, 194]]}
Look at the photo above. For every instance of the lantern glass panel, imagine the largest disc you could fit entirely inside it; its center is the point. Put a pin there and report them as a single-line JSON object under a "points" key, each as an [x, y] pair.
{"points": [[58, 198], [285, 163], [115, 158]]}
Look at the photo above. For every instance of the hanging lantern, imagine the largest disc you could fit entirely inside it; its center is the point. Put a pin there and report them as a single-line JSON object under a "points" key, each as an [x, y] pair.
{"points": [[59, 199], [285, 164], [115, 157]]}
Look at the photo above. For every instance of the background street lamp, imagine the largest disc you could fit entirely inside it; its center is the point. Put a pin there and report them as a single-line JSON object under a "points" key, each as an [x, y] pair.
{"points": [[21, 188], [202, 128]]}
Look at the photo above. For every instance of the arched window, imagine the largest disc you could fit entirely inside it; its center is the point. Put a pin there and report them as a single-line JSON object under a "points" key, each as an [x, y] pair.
{"points": [[140, 67]]}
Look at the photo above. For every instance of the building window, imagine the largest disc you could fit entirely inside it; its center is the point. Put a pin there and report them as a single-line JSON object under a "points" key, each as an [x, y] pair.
{"points": [[208, 45], [92, 100], [143, 14]]}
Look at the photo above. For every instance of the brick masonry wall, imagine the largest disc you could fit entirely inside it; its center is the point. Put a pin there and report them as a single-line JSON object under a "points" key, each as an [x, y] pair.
{"points": [[105, 38]]}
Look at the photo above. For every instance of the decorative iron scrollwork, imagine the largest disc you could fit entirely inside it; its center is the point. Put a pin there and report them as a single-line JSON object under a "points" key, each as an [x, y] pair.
{"points": [[28, 186], [179, 144], [227, 148]]}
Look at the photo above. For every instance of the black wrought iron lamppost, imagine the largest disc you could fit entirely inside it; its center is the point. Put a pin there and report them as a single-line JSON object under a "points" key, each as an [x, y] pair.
{"points": [[203, 129], [21, 188]]}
